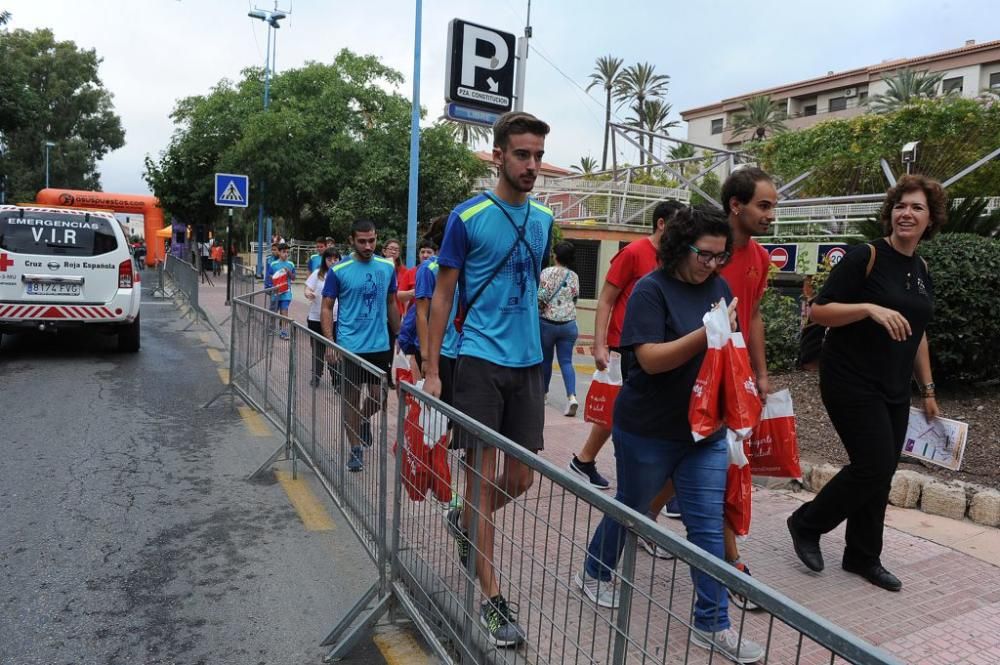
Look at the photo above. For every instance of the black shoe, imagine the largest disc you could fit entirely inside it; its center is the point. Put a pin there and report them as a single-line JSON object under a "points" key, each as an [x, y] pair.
{"points": [[589, 471], [807, 550], [875, 574]]}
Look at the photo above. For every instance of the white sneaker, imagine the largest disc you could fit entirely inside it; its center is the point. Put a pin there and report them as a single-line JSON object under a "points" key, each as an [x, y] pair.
{"points": [[727, 643], [603, 593], [571, 406], [655, 550]]}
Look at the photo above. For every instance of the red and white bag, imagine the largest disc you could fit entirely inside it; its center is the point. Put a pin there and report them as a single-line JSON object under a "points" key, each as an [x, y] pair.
{"points": [[705, 407], [599, 406], [280, 281], [401, 371], [738, 503], [425, 452], [773, 446], [739, 388]]}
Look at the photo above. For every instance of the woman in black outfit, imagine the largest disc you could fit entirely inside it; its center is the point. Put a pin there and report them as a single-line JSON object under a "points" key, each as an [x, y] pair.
{"points": [[876, 343]]}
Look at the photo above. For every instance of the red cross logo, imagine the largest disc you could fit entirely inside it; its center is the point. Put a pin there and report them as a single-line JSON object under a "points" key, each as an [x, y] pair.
{"points": [[5, 262]]}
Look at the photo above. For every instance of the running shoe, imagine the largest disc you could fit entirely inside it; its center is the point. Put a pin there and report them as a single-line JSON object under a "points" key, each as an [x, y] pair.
{"points": [[603, 593], [589, 471], [454, 519], [727, 643], [499, 619], [571, 406], [356, 461], [673, 509], [655, 550], [740, 601]]}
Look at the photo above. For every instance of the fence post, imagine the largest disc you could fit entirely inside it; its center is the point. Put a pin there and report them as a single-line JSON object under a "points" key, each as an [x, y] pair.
{"points": [[625, 598], [382, 488], [397, 488], [290, 407], [470, 567]]}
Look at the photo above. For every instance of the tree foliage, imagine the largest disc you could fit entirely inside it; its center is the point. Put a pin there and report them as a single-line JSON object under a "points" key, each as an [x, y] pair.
{"points": [[905, 87], [332, 147], [50, 91], [760, 117], [608, 75], [844, 154]]}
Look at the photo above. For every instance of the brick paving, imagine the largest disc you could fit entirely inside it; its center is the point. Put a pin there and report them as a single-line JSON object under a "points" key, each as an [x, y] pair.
{"points": [[948, 611]]}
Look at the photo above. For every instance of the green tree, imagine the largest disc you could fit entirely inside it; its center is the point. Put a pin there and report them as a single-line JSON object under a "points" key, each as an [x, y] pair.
{"points": [[759, 118], [905, 87], [587, 165], [50, 91], [466, 134], [638, 83], [4, 17], [607, 74], [332, 147]]}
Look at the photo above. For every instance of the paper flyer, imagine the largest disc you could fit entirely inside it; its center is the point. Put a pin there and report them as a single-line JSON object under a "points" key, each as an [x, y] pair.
{"points": [[941, 441]]}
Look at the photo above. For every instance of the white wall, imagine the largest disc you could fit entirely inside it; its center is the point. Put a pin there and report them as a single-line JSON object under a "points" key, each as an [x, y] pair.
{"points": [[700, 131], [970, 79], [984, 74]]}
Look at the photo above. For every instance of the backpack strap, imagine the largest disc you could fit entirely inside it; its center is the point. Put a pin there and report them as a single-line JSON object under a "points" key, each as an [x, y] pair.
{"points": [[871, 259]]}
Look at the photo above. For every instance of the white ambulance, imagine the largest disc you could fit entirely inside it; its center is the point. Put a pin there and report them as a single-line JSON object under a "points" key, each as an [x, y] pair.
{"points": [[63, 268]]}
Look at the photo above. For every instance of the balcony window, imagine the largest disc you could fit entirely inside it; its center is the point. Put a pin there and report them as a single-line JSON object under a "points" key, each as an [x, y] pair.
{"points": [[995, 80], [717, 125], [952, 85], [837, 104], [809, 110]]}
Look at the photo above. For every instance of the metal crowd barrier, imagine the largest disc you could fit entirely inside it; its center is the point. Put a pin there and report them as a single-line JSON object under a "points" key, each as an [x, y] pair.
{"points": [[330, 406], [185, 278]]}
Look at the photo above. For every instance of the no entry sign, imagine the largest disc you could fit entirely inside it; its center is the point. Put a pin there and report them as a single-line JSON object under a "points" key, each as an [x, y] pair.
{"points": [[783, 255]]}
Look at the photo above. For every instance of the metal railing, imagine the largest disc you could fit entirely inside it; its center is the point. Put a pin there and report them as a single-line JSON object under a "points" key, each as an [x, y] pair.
{"points": [[330, 405], [185, 278]]}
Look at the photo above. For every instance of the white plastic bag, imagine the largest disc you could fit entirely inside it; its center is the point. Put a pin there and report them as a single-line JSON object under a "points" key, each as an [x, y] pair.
{"points": [[433, 422]]}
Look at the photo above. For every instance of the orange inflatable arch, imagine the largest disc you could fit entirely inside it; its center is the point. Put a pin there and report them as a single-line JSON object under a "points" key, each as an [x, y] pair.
{"points": [[135, 204]]}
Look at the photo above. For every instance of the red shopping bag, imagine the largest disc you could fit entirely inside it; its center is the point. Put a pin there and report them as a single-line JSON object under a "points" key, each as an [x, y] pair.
{"points": [[416, 457], [280, 281], [434, 428], [705, 409], [600, 404], [401, 371], [738, 502], [773, 446], [739, 388]]}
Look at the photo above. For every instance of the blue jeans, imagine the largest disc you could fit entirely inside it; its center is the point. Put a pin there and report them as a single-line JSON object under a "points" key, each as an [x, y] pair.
{"points": [[699, 472], [560, 337]]}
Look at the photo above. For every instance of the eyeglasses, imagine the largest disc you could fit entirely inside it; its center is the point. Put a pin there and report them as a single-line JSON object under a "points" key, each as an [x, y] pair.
{"points": [[706, 257]]}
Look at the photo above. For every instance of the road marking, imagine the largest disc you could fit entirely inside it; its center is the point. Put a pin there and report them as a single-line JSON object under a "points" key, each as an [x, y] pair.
{"points": [[310, 510], [224, 374], [399, 648], [254, 421], [214, 355], [585, 369]]}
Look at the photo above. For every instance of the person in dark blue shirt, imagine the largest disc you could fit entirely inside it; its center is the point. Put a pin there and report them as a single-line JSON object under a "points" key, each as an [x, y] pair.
{"points": [[495, 246], [364, 285], [652, 435], [316, 260]]}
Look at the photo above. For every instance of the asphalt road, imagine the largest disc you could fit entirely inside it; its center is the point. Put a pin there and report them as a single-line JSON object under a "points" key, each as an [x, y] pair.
{"points": [[129, 533]]}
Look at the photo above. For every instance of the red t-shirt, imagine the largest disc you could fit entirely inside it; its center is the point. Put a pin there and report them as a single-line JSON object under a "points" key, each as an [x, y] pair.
{"points": [[628, 266], [404, 276], [746, 274]]}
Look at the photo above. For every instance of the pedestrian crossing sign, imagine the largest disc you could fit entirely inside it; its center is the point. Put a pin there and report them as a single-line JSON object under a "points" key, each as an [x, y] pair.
{"points": [[232, 190]]}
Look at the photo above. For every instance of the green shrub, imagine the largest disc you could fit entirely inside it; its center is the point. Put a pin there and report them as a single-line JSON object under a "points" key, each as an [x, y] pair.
{"points": [[781, 329], [964, 335]]}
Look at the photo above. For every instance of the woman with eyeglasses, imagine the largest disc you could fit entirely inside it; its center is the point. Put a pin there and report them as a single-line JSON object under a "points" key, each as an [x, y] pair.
{"points": [[650, 430], [877, 309]]}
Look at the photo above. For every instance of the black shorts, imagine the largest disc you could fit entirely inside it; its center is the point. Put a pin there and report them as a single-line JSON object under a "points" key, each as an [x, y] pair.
{"points": [[381, 360], [508, 400]]}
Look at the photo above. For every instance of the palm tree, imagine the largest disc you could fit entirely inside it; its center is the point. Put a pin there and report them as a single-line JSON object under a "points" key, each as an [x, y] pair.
{"points": [[905, 87], [466, 134], [607, 74], [586, 166], [638, 83], [760, 116], [684, 151]]}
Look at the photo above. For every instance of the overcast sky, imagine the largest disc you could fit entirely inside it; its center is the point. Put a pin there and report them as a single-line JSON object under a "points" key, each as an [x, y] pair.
{"points": [[157, 51]]}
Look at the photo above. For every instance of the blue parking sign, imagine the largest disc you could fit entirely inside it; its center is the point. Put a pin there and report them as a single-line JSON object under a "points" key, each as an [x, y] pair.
{"points": [[232, 190]]}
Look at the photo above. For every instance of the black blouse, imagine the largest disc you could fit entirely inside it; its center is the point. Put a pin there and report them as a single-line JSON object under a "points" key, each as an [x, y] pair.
{"points": [[861, 357]]}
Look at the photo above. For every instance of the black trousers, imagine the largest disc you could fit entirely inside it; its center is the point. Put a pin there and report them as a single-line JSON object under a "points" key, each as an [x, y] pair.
{"points": [[319, 349], [872, 431]]}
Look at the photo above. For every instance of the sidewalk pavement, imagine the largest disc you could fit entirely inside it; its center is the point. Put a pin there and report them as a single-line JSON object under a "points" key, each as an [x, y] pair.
{"points": [[947, 612]]}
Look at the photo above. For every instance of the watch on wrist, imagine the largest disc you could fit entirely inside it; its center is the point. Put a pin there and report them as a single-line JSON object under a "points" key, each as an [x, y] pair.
{"points": [[927, 389]]}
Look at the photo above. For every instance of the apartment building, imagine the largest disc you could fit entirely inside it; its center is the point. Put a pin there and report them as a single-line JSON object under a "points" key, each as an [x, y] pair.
{"points": [[967, 71]]}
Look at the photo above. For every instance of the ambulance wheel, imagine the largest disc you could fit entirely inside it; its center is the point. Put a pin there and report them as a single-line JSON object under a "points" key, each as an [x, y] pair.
{"points": [[128, 337]]}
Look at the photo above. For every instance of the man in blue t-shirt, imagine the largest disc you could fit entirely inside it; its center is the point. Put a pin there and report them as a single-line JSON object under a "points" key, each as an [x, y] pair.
{"points": [[495, 245], [281, 298], [316, 259], [365, 287]]}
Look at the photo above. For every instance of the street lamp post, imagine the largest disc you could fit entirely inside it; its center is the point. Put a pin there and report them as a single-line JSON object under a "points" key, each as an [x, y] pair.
{"points": [[271, 17], [48, 145]]}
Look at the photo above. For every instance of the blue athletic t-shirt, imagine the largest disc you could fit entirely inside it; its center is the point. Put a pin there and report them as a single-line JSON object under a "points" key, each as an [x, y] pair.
{"points": [[314, 261], [362, 287], [277, 266], [663, 309], [502, 325], [424, 290], [407, 338]]}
